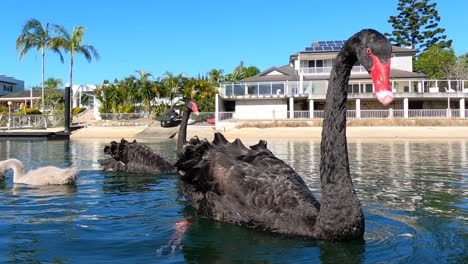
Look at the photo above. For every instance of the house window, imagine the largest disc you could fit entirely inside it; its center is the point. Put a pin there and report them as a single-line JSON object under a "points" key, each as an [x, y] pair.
{"points": [[8, 88], [353, 88], [319, 63], [368, 88], [328, 63], [277, 89]]}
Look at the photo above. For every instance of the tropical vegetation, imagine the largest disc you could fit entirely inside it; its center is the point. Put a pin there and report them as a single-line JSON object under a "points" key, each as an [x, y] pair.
{"points": [[37, 36], [417, 26], [41, 37], [144, 93], [73, 44]]}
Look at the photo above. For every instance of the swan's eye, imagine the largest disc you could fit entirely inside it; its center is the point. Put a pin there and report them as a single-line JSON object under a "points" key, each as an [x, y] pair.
{"points": [[368, 51]]}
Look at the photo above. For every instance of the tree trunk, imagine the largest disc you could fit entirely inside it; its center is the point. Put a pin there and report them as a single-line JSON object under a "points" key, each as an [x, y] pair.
{"points": [[42, 83]]}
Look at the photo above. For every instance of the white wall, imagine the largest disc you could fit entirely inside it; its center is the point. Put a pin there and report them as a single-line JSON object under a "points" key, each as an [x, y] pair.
{"points": [[404, 63], [261, 109]]}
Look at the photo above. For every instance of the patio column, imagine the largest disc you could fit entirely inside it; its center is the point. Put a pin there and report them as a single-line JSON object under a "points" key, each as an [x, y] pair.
{"points": [[405, 108], [301, 82], [291, 107], [358, 108], [311, 108], [462, 108], [216, 110]]}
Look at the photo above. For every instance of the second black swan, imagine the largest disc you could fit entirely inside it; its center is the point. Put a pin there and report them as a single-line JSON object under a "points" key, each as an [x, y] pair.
{"points": [[251, 187], [134, 157]]}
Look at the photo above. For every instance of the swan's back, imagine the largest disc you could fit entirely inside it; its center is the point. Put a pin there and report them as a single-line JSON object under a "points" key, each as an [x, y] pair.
{"points": [[136, 158], [50, 175], [248, 186]]}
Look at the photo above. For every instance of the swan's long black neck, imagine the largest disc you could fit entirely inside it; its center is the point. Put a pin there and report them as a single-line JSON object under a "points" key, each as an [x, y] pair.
{"points": [[334, 160], [340, 216], [183, 131]]}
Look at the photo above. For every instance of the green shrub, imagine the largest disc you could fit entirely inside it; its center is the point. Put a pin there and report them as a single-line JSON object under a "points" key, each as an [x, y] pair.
{"points": [[78, 110], [33, 111], [3, 109]]}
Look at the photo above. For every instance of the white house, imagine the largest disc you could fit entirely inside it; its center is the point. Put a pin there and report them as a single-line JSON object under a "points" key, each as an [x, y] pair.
{"points": [[298, 90]]}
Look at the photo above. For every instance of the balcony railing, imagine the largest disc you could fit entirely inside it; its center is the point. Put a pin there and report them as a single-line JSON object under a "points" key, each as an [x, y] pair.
{"points": [[318, 88], [327, 70], [319, 114]]}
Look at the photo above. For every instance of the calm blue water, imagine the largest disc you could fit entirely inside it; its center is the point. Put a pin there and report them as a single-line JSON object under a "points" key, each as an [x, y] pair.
{"points": [[414, 195]]}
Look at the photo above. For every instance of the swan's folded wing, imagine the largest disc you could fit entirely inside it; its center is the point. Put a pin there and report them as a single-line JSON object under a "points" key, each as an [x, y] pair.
{"points": [[50, 175], [235, 191]]}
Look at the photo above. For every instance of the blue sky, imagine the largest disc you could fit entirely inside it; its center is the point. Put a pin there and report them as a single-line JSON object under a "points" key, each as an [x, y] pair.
{"points": [[193, 37]]}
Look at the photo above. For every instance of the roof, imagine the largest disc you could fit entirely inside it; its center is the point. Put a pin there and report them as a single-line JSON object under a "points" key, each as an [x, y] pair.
{"points": [[283, 73], [9, 80], [324, 46], [334, 46], [396, 49]]}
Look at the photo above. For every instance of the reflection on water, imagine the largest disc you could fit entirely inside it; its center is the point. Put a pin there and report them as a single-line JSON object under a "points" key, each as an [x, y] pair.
{"points": [[414, 196]]}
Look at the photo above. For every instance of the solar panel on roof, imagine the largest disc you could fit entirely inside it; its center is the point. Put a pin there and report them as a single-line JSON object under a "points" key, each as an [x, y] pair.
{"points": [[329, 45]]}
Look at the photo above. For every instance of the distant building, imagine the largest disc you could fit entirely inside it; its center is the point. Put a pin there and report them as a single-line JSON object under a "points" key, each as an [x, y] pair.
{"points": [[298, 90], [78, 90], [10, 85], [28, 98]]}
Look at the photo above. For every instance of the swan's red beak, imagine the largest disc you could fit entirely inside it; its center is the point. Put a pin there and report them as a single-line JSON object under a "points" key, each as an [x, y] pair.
{"points": [[195, 109], [380, 74]]}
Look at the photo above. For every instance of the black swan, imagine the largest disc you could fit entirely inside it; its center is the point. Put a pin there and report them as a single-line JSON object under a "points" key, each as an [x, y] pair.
{"points": [[135, 157], [42, 176], [251, 187]]}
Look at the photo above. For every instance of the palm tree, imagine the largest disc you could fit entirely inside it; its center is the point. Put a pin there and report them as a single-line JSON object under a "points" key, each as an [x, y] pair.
{"points": [[35, 35], [215, 76], [146, 89], [130, 91], [237, 74], [74, 44], [53, 83], [173, 84]]}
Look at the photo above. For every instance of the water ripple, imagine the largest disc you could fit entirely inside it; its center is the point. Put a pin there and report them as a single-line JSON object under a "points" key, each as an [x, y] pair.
{"points": [[414, 197]]}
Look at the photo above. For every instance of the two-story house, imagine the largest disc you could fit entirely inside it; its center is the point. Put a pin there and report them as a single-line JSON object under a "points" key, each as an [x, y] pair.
{"points": [[10, 85], [298, 90]]}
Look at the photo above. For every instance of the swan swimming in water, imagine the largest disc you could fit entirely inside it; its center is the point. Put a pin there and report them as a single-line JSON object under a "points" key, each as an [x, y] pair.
{"points": [[251, 187], [135, 157], [42, 176]]}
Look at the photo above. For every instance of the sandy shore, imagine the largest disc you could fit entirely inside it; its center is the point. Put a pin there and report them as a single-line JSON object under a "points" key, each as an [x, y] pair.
{"points": [[107, 132], [299, 133]]}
